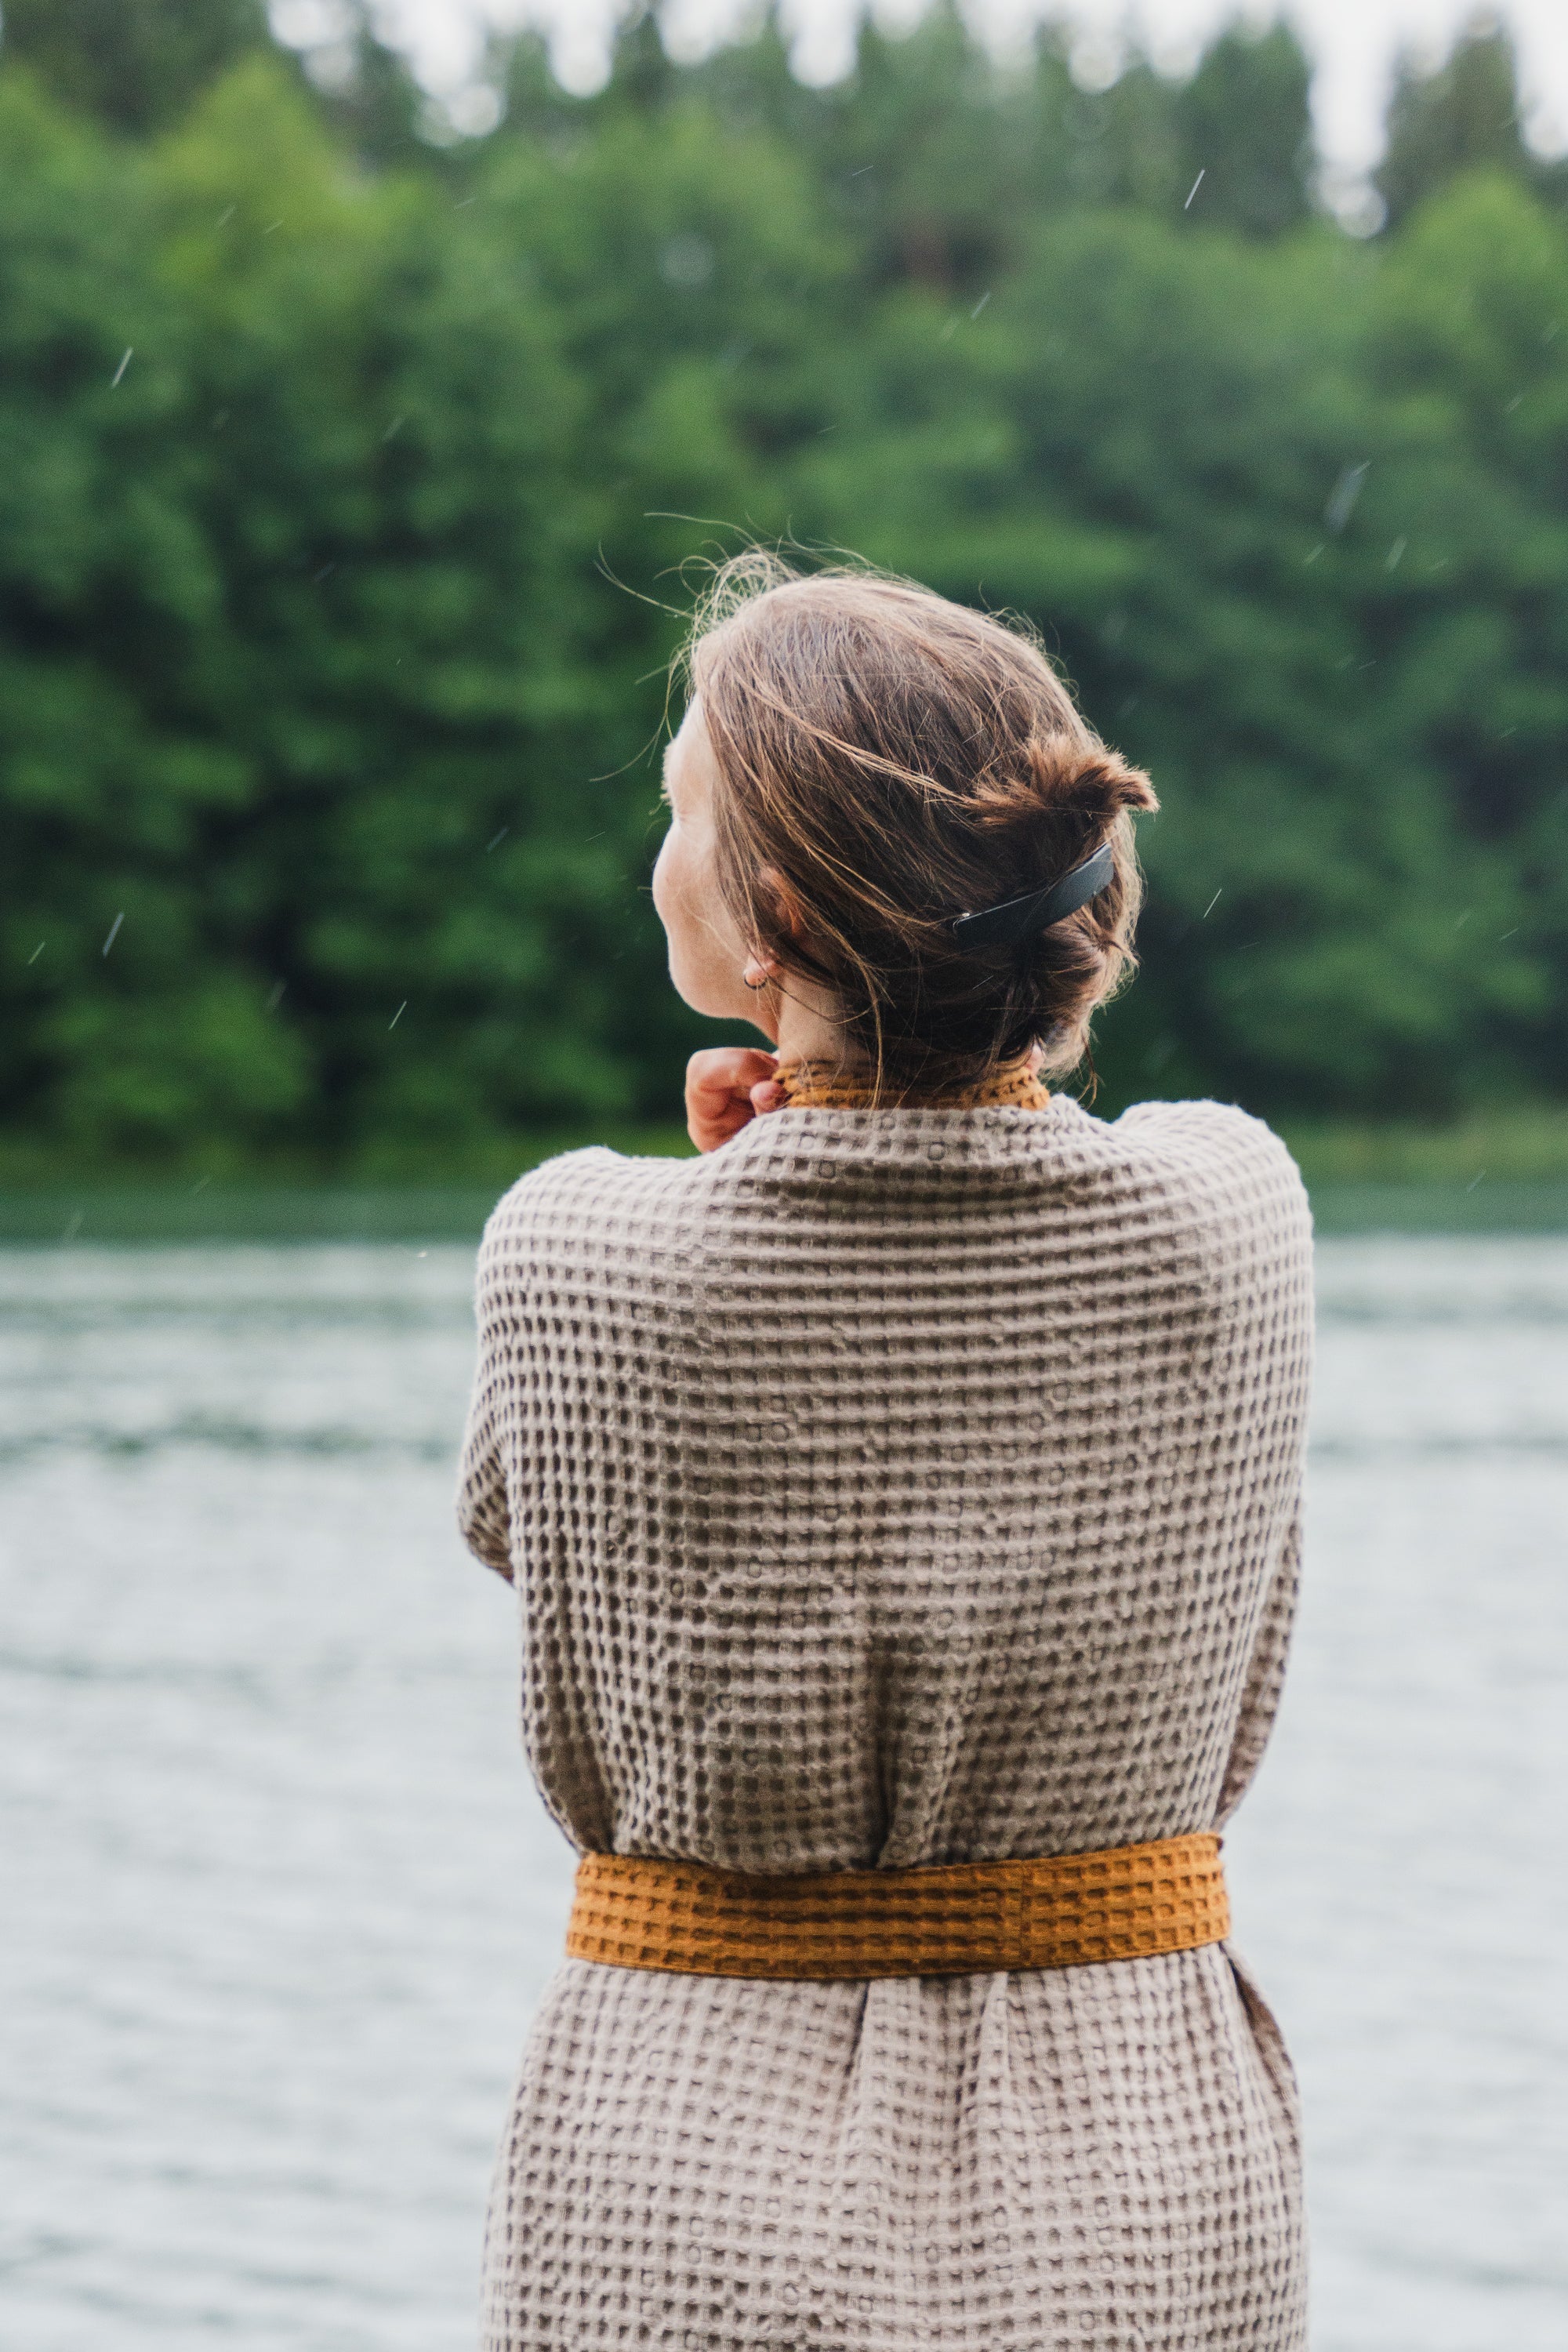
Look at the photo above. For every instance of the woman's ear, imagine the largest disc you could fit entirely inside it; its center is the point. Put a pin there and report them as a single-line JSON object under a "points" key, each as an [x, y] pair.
{"points": [[783, 903]]}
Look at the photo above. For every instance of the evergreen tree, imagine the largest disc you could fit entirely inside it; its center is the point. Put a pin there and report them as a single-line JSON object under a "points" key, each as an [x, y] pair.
{"points": [[368, 93], [749, 86], [643, 76], [1116, 146], [325, 706], [533, 105], [1470, 628], [922, 126], [1243, 120], [134, 64], [1463, 115]]}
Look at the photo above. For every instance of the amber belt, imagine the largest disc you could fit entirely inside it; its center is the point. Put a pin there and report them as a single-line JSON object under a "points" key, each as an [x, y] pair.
{"points": [[1055, 1911]]}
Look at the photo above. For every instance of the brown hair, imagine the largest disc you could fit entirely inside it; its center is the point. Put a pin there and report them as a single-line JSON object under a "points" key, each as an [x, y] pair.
{"points": [[896, 759]]}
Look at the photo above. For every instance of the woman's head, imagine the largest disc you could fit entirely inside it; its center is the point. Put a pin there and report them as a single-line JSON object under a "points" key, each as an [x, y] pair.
{"points": [[861, 762]]}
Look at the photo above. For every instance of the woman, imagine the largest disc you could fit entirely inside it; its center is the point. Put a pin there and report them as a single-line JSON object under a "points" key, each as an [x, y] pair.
{"points": [[900, 1495]]}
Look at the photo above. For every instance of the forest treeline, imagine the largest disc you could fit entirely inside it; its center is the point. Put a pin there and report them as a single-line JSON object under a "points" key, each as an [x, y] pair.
{"points": [[354, 461]]}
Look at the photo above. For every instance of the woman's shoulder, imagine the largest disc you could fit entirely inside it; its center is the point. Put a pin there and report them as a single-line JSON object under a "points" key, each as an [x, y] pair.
{"points": [[1209, 1161], [592, 1184], [1216, 1152], [1203, 1128]]}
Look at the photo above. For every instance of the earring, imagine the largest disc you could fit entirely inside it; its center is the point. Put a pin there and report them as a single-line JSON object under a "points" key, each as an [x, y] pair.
{"points": [[763, 975]]}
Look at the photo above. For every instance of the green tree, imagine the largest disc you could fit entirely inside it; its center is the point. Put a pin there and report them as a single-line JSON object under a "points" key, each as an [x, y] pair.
{"points": [[698, 286], [127, 1019], [390, 477], [1469, 352], [1243, 120], [922, 146], [1462, 117], [133, 63], [1118, 146], [308, 624], [367, 92], [345, 513], [1135, 445]]}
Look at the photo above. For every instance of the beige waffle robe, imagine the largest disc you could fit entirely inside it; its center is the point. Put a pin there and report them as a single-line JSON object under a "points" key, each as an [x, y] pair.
{"points": [[893, 1487]]}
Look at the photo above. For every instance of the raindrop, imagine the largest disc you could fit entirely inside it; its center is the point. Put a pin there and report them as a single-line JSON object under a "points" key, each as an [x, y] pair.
{"points": [[1344, 494]]}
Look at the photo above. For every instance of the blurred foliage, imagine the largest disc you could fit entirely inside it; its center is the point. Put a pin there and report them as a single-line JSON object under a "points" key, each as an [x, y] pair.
{"points": [[1464, 117], [135, 64], [351, 467]]}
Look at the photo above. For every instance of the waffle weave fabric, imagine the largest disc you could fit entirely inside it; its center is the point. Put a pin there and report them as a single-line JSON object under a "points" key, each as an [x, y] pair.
{"points": [[887, 1489]]}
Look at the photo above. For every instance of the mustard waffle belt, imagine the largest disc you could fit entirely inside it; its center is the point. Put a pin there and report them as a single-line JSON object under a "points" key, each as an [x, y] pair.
{"points": [[1129, 1902]]}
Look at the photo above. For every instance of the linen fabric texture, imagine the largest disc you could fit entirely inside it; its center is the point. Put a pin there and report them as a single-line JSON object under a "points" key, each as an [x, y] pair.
{"points": [[887, 1489]]}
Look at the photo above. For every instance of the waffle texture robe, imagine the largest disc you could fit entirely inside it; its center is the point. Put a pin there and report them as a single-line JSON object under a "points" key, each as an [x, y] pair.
{"points": [[896, 1487]]}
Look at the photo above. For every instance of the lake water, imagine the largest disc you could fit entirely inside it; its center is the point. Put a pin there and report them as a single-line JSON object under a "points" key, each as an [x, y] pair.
{"points": [[280, 1897]]}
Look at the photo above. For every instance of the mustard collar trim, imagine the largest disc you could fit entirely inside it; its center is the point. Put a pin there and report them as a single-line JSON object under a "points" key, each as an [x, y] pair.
{"points": [[813, 1085]]}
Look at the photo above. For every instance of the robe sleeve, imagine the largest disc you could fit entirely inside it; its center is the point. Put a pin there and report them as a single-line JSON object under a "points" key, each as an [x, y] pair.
{"points": [[484, 1518], [1265, 1673]]}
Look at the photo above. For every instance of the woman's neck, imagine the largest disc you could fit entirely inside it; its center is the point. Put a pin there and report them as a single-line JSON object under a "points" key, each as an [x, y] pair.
{"points": [[807, 1031]]}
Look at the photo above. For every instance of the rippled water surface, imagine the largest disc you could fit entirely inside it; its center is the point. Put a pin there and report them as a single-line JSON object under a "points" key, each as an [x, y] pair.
{"points": [[280, 1896]]}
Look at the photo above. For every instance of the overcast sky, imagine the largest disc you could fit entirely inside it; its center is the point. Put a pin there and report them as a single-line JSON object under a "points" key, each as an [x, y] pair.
{"points": [[1352, 42]]}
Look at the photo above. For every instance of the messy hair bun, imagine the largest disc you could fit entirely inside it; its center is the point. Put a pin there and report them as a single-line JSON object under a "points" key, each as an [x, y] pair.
{"points": [[888, 761]]}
